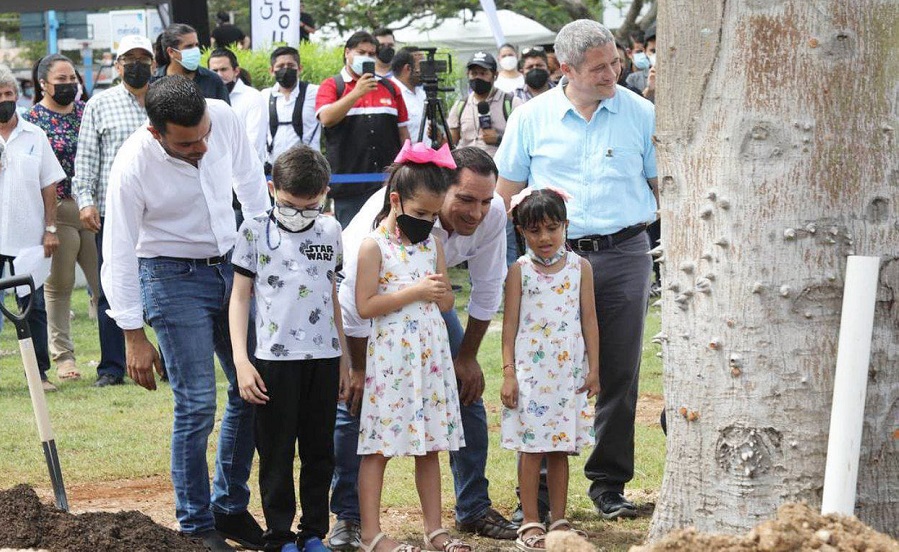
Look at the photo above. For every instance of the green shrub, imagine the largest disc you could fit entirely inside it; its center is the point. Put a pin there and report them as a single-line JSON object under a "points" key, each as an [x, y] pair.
{"points": [[319, 62]]}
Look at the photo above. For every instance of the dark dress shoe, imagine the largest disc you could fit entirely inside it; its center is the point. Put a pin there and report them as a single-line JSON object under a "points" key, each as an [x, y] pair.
{"points": [[241, 528], [106, 380], [492, 525]]}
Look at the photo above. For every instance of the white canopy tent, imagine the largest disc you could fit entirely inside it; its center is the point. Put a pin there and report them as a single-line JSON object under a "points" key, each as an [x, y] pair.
{"points": [[467, 34]]}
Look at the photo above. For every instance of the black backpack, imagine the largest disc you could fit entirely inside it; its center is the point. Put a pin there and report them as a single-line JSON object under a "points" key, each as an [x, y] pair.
{"points": [[341, 86], [296, 119]]}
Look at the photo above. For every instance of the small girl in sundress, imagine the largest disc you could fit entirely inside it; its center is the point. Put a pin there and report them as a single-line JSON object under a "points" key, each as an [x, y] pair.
{"points": [[410, 405], [550, 357]]}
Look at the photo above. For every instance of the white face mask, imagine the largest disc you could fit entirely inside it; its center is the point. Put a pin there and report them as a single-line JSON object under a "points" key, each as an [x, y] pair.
{"points": [[508, 63], [295, 219]]}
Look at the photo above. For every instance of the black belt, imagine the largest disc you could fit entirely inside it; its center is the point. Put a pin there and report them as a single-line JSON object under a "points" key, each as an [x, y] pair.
{"points": [[598, 243], [208, 261]]}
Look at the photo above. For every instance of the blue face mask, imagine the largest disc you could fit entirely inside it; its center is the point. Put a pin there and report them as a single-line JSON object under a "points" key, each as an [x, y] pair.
{"points": [[641, 61], [190, 58], [357, 63]]}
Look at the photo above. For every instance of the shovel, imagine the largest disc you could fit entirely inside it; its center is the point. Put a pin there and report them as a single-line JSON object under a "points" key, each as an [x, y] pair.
{"points": [[38, 400]]}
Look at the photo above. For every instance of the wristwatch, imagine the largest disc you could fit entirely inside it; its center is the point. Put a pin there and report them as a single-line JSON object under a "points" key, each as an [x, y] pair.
{"points": [[50, 229]]}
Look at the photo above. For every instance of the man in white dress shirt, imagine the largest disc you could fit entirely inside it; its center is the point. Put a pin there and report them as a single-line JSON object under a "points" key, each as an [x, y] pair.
{"points": [[170, 232], [290, 104], [407, 76], [247, 102], [472, 228]]}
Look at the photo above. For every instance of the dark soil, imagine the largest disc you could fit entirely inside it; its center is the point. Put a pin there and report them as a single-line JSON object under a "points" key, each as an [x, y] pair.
{"points": [[26, 523]]}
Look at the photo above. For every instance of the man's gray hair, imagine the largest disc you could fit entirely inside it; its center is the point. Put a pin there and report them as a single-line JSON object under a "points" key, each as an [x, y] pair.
{"points": [[575, 38], [8, 79]]}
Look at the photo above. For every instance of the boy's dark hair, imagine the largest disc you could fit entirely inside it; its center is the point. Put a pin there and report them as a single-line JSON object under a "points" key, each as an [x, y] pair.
{"points": [[360, 37], [225, 53], [382, 31], [534, 53], [635, 37], [174, 99], [474, 159], [170, 38], [408, 179], [284, 51], [541, 205], [405, 56], [301, 171]]}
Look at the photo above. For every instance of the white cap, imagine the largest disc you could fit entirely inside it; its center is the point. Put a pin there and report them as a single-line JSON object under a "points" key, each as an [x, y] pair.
{"points": [[134, 42]]}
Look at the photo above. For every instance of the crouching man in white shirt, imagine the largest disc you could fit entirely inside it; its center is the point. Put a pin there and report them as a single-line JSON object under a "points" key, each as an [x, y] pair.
{"points": [[168, 258]]}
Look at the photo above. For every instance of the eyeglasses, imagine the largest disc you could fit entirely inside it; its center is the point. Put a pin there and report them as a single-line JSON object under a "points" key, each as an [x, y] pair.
{"points": [[533, 50], [289, 211]]}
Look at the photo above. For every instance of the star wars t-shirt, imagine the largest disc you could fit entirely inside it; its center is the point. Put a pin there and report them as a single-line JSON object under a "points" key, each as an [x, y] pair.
{"points": [[293, 275]]}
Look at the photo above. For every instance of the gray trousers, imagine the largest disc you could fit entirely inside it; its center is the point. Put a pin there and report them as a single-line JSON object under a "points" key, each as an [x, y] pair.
{"points": [[621, 284]]}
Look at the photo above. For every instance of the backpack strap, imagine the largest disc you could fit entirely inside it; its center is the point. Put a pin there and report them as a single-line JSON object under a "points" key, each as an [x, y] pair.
{"points": [[341, 86], [388, 84], [296, 119], [507, 105]]}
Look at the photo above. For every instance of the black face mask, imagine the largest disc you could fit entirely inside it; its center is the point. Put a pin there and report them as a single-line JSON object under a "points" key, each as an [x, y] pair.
{"points": [[7, 110], [386, 53], [286, 77], [480, 86], [64, 94], [536, 78], [136, 75], [416, 229], [230, 85]]}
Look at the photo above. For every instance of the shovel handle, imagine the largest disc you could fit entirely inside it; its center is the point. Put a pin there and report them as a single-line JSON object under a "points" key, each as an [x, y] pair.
{"points": [[13, 282]]}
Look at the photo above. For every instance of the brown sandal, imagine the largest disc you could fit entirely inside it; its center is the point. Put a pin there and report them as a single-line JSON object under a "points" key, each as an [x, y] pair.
{"points": [[529, 543], [449, 545], [564, 525], [66, 371]]}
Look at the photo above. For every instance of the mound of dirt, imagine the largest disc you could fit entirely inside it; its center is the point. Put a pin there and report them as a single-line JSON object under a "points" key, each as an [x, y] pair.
{"points": [[27, 523], [796, 528]]}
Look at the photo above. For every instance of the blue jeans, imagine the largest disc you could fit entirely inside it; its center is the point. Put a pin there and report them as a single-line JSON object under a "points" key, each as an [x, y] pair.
{"points": [[468, 464], [186, 303], [112, 338]]}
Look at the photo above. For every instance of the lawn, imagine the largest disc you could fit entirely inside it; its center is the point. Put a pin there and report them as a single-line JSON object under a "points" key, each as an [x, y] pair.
{"points": [[108, 435]]}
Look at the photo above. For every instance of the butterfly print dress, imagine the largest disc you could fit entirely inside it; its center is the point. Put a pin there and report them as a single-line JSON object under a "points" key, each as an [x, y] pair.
{"points": [[410, 405], [551, 364]]}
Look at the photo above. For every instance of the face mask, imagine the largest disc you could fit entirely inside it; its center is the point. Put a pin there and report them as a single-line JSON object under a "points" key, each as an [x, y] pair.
{"points": [[28, 92], [190, 58], [386, 53], [286, 77], [7, 110], [652, 59], [416, 229], [357, 63], [230, 86], [64, 94], [536, 78], [641, 61], [136, 75], [480, 86], [294, 219], [508, 63], [547, 261]]}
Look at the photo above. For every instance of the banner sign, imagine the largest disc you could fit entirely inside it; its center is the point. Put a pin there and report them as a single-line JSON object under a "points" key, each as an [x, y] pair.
{"points": [[489, 7], [275, 21]]}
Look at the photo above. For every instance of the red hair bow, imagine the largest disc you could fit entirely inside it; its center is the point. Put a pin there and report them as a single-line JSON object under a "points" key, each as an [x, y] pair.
{"points": [[420, 153]]}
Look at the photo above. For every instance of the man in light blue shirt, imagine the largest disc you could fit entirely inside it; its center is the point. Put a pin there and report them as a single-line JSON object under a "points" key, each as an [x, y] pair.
{"points": [[593, 139]]}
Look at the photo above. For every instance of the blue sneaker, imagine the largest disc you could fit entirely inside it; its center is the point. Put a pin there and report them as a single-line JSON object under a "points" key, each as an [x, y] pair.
{"points": [[290, 547], [315, 544]]}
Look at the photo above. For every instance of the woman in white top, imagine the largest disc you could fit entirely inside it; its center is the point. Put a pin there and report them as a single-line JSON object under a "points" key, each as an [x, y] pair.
{"points": [[510, 78]]}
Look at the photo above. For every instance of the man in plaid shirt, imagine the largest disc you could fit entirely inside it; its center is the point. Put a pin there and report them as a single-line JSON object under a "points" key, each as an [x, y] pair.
{"points": [[109, 118]]}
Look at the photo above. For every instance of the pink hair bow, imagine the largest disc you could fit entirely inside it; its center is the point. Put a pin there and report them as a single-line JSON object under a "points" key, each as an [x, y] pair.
{"points": [[519, 197], [420, 153]]}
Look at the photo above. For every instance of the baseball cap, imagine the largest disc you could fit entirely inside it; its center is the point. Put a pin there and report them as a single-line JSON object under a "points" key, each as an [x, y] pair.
{"points": [[483, 59], [134, 42]]}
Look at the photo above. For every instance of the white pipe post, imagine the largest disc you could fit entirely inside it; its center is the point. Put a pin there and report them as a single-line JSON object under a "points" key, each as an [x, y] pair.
{"points": [[850, 385]]}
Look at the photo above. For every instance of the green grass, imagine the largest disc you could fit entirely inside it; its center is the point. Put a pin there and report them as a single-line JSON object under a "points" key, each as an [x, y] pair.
{"points": [[124, 432]]}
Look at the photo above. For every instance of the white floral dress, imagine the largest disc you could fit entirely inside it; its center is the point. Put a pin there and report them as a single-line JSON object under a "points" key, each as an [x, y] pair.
{"points": [[411, 403], [550, 363]]}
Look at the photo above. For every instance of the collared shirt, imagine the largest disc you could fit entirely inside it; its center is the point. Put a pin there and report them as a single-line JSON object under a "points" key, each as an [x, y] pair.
{"points": [[415, 107], [211, 85], [286, 137], [109, 118], [250, 106], [604, 169], [485, 252], [466, 119], [524, 93], [638, 80], [27, 166], [159, 206]]}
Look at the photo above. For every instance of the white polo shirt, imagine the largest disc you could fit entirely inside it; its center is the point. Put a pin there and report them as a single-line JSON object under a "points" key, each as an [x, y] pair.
{"points": [[27, 166]]}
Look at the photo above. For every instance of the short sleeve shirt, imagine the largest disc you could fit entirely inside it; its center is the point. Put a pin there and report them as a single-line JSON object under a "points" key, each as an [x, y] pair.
{"points": [[293, 275], [62, 131], [465, 118]]}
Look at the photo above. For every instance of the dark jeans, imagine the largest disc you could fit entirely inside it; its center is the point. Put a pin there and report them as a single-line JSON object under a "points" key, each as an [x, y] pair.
{"points": [[621, 282], [112, 339], [37, 319], [655, 237], [299, 416], [345, 208]]}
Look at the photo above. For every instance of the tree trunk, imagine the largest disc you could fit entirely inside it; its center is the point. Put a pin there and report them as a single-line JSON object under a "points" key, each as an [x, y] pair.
{"points": [[777, 151]]}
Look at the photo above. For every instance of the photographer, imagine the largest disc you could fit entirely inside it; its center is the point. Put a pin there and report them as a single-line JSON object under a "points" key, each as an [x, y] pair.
{"points": [[479, 119], [407, 77]]}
